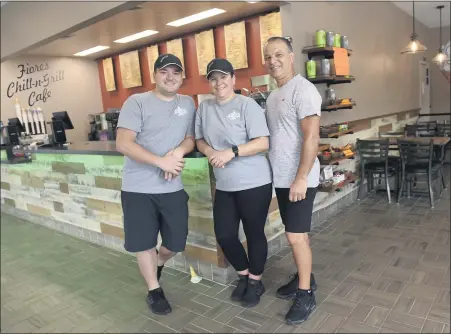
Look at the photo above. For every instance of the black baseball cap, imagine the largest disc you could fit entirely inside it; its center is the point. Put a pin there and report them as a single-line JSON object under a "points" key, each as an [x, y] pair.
{"points": [[166, 60], [219, 65]]}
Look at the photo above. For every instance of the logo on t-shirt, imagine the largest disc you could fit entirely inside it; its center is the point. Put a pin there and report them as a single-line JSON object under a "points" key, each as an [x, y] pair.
{"points": [[180, 111], [234, 115]]}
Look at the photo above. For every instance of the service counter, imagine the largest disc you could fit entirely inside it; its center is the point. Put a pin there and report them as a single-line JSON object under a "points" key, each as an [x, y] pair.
{"points": [[77, 190]]}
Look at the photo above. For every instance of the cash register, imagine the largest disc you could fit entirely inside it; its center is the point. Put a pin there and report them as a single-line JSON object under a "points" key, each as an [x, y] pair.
{"points": [[60, 123]]}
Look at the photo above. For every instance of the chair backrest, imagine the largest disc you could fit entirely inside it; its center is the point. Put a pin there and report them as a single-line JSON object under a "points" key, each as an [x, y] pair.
{"points": [[444, 130], [411, 130], [371, 151], [414, 152]]}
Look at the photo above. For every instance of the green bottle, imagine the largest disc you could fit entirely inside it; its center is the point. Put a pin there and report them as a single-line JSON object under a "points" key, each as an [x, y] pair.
{"points": [[311, 69]]}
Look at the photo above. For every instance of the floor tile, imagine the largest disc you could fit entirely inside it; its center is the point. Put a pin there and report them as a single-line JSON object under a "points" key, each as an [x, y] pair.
{"points": [[379, 268]]}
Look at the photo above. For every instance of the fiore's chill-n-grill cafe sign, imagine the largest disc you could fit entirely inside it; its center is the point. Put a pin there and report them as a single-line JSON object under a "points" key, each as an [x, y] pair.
{"points": [[37, 79]]}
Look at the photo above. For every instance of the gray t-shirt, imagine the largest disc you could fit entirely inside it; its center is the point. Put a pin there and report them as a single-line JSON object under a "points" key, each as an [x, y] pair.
{"points": [[235, 122], [161, 126], [285, 108]]}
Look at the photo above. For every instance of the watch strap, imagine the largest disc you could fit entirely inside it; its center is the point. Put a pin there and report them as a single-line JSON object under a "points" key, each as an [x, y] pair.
{"points": [[235, 150]]}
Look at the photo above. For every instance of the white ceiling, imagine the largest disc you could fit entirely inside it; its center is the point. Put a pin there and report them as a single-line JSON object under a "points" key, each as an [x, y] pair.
{"points": [[426, 12], [151, 16]]}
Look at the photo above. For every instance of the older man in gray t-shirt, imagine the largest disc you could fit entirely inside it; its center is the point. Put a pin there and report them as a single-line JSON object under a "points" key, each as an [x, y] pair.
{"points": [[293, 115]]}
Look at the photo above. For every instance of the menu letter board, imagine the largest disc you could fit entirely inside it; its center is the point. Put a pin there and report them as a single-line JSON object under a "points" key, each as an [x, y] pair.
{"points": [[108, 74], [270, 26], [205, 48], [130, 70], [152, 55], [176, 48], [236, 48]]}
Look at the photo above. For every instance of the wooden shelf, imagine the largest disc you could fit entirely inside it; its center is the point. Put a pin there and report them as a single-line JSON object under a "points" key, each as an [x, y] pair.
{"points": [[331, 79], [325, 51], [336, 161], [338, 107], [323, 147], [337, 187], [338, 134]]}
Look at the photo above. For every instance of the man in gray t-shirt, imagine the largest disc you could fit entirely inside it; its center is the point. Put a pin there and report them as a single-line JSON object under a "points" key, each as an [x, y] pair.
{"points": [[155, 131], [293, 114]]}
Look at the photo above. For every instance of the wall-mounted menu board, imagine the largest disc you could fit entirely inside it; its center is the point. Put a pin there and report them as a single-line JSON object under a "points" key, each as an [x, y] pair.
{"points": [[108, 74], [270, 26], [152, 55], [130, 70], [236, 49], [176, 48], [205, 49]]}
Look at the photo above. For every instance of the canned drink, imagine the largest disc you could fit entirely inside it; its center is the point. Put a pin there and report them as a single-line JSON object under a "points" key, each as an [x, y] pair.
{"points": [[311, 69], [337, 40], [330, 35], [320, 37], [325, 67], [330, 96], [344, 42]]}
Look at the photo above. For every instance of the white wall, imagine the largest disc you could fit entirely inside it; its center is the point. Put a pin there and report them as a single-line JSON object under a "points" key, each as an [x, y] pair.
{"points": [[386, 81], [78, 93]]}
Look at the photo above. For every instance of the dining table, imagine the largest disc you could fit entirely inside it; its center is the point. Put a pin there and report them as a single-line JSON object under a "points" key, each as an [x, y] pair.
{"points": [[436, 141]]}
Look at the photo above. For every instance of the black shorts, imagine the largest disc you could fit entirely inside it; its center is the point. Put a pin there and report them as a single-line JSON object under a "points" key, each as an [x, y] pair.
{"points": [[296, 216], [147, 214]]}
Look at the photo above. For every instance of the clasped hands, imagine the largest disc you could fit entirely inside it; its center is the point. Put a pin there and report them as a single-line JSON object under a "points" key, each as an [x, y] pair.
{"points": [[219, 159], [172, 164]]}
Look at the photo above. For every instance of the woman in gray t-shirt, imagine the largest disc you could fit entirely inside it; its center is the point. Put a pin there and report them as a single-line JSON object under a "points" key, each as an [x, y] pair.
{"points": [[231, 131]]}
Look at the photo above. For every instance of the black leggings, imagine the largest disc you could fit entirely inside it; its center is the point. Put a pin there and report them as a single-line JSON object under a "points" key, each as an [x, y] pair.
{"points": [[251, 207]]}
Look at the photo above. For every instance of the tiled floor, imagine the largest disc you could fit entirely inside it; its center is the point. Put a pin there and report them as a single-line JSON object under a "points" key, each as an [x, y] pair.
{"points": [[379, 267]]}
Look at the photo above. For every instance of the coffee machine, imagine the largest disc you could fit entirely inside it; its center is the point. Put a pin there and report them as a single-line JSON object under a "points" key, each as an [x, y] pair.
{"points": [[104, 125]]}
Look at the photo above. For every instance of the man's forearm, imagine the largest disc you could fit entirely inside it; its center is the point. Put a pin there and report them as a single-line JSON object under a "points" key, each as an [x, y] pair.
{"points": [[138, 153], [186, 146], [308, 155], [203, 147]]}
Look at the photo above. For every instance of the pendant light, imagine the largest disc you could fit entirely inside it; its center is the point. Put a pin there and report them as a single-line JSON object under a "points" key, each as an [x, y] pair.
{"points": [[414, 46], [441, 56]]}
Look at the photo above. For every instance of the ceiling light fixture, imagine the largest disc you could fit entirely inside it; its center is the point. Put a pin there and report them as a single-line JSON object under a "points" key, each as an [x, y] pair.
{"points": [[414, 46], [95, 49], [196, 17], [441, 56], [136, 36]]}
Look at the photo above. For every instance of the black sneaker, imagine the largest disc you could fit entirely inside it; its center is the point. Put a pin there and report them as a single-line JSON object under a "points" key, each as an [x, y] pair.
{"points": [[255, 289], [158, 302], [240, 289], [288, 291], [303, 305]]}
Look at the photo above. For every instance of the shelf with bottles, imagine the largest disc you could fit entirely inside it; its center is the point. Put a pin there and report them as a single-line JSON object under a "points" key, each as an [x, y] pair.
{"points": [[338, 104], [332, 156], [331, 79], [335, 131], [322, 51]]}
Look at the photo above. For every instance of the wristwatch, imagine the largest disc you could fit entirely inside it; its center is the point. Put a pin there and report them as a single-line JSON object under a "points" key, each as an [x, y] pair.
{"points": [[235, 150]]}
